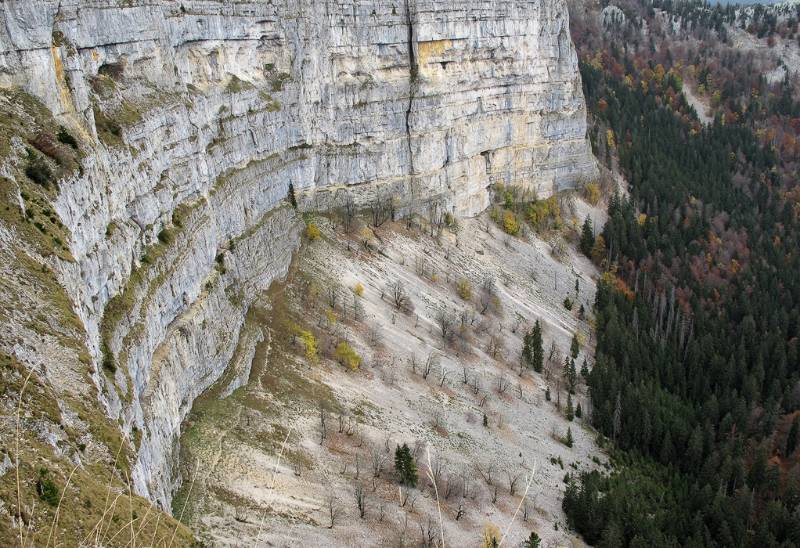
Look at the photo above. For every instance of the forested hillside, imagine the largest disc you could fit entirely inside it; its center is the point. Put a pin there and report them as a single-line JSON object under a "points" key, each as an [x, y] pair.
{"points": [[697, 378]]}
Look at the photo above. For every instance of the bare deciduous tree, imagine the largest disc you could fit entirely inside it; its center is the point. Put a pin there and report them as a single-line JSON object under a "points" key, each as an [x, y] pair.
{"points": [[502, 383], [398, 294], [361, 500], [378, 460], [332, 294], [347, 211], [443, 376], [495, 345], [461, 510], [436, 217], [381, 209], [486, 473], [488, 296], [429, 534], [374, 334], [332, 506], [446, 322], [432, 361], [323, 420], [475, 384], [518, 321], [421, 266], [512, 481]]}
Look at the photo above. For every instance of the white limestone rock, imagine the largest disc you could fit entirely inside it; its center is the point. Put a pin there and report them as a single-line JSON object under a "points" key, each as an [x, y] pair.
{"points": [[222, 106]]}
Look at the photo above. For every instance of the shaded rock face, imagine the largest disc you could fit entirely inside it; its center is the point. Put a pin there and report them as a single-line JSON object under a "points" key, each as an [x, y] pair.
{"points": [[198, 116]]}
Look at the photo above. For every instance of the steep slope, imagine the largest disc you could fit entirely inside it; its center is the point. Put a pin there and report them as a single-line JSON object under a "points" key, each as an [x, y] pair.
{"points": [[280, 458], [161, 211]]}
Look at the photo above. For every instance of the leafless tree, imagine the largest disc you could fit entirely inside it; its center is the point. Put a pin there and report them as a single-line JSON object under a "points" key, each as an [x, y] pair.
{"points": [[378, 460], [451, 484], [323, 419], [381, 513], [518, 321], [443, 376], [467, 317], [347, 211], [436, 217], [332, 294], [407, 496], [488, 295], [513, 479], [475, 384], [495, 345], [361, 500], [461, 510], [502, 383], [398, 294], [381, 208], [374, 334], [358, 308], [486, 473], [432, 361], [430, 534], [446, 322], [466, 484], [332, 506], [553, 350], [421, 266]]}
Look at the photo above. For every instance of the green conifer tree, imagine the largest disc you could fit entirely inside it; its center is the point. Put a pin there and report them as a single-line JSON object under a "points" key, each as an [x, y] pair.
{"points": [[587, 237]]}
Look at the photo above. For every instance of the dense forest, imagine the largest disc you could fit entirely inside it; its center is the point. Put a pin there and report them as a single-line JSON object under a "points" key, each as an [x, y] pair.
{"points": [[697, 376]]}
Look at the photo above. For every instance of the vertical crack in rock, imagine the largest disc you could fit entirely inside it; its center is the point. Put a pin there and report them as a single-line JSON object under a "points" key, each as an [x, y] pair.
{"points": [[412, 88]]}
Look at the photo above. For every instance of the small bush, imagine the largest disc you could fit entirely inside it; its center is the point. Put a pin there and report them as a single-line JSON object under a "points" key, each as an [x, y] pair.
{"points": [[312, 232], [37, 170], [65, 138], [235, 85], [109, 364], [109, 131], [330, 315], [568, 303], [464, 289], [358, 289], [346, 356], [309, 343], [591, 192], [490, 536], [114, 71], [545, 214], [510, 223], [165, 236], [46, 488]]}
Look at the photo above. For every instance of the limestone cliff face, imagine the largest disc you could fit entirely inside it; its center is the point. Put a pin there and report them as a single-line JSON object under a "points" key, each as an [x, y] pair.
{"points": [[198, 115]]}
